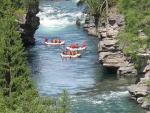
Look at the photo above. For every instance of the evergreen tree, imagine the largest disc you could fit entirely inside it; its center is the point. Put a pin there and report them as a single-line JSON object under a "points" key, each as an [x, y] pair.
{"points": [[13, 62], [17, 94]]}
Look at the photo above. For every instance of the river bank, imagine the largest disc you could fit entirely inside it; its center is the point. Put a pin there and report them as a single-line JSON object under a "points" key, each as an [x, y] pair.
{"points": [[111, 56]]}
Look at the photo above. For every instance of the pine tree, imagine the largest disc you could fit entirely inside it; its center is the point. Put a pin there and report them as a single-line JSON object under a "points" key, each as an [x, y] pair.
{"points": [[17, 94], [13, 62]]}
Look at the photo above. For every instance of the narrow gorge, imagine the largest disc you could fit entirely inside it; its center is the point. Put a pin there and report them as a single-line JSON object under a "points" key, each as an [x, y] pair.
{"points": [[92, 88]]}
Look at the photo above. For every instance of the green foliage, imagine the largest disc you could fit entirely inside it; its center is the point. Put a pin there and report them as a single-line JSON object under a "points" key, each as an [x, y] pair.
{"points": [[17, 93], [97, 9], [147, 99], [30, 102], [64, 103], [137, 18]]}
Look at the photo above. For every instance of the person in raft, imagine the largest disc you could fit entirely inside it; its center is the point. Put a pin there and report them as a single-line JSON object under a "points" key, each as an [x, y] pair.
{"points": [[84, 44], [70, 52], [56, 41], [74, 45], [46, 39]]}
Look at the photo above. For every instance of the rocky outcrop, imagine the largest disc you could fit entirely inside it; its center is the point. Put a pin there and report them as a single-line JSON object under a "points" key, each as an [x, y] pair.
{"points": [[110, 55], [29, 23], [141, 90]]}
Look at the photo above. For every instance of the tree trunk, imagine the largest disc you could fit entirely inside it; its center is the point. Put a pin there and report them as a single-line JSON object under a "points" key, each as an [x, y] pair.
{"points": [[96, 21], [107, 22]]}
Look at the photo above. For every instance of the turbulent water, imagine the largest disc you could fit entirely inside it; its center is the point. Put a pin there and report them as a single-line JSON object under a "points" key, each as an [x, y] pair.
{"points": [[91, 88]]}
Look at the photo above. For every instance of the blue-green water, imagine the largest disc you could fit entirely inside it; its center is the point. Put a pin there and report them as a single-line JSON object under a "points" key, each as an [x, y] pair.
{"points": [[91, 88]]}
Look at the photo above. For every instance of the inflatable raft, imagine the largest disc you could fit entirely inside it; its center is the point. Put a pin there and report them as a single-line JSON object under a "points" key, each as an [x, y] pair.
{"points": [[76, 49], [70, 56], [55, 43]]}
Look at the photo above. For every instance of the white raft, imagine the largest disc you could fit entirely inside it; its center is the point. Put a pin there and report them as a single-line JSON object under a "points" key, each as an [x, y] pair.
{"points": [[51, 43], [76, 49], [70, 56]]}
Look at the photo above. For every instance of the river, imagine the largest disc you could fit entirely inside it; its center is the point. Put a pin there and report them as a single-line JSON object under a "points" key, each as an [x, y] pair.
{"points": [[91, 88]]}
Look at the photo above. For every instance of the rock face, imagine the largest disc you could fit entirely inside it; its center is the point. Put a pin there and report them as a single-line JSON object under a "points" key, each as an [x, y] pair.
{"points": [[110, 54], [29, 24], [140, 90]]}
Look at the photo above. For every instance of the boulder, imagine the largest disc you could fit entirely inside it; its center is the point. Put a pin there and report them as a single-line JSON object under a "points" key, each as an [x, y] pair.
{"points": [[120, 20], [108, 45], [92, 31], [112, 20], [115, 27], [139, 90], [147, 68], [140, 100], [146, 105], [85, 26], [112, 33], [103, 34], [115, 60], [102, 29], [102, 55], [127, 70]]}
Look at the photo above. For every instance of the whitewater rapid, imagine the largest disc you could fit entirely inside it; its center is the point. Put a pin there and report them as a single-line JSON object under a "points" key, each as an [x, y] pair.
{"points": [[56, 18]]}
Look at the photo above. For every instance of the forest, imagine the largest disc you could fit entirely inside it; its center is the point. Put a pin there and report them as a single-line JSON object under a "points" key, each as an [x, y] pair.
{"points": [[17, 92]]}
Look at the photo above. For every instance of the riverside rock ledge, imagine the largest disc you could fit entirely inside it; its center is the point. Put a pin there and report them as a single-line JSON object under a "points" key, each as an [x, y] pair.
{"points": [[110, 55]]}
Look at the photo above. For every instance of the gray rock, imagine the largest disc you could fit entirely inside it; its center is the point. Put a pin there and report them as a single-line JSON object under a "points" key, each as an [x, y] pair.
{"points": [[108, 45], [111, 33], [85, 26], [102, 29], [112, 20], [140, 100], [147, 68], [146, 105], [103, 34], [102, 55], [127, 70], [120, 20], [133, 98], [139, 90], [29, 24], [92, 31], [114, 60]]}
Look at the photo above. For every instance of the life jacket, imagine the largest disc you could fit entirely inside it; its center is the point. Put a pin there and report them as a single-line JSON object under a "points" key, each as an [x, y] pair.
{"points": [[55, 41], [84, 44], [74, 46], [59, 41], [73, 52], [46, 39], [68, 53], [65, 53]]}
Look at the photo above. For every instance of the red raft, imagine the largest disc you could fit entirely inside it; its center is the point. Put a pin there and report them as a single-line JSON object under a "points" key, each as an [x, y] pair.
{"points": [[70, 54], [75, 47]]}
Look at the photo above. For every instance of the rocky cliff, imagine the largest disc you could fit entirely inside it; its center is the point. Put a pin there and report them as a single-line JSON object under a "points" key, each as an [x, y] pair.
{"points": [[141, 91], [29, 23], [110, 55]]}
